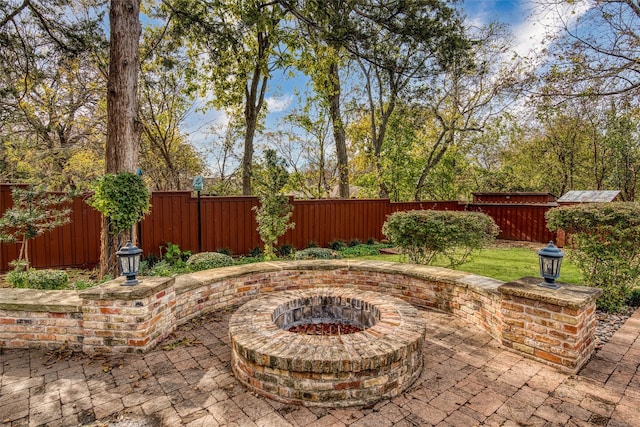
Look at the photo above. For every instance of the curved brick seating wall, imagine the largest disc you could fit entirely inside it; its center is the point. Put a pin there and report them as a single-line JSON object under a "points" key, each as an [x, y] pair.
{"points": [[553, 326]]}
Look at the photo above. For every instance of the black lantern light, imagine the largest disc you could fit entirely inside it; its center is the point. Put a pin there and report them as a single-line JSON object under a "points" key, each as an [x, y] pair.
{"points": [[129, 260], [550, 260]]}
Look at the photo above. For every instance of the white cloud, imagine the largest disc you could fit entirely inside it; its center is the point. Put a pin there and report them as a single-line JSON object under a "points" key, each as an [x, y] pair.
{"points": [[542, 24], [277, 104]]}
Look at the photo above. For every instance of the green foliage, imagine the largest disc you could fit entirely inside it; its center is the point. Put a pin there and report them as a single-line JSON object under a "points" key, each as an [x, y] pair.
{"points": [[316, 253], [285, 250], [208, 260], [274, 212], [425, 235], [634, 298], [171, 263], [337, 245], [164, 269], [605, 245], [226, 251], [123, 198], [362, 250], [33, 213], [175, 256], [38, 279]]}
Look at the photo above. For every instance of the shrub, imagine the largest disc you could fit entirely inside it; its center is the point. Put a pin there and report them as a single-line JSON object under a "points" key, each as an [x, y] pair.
{"points": [[424, 235], [285, 250], [354, 242], [256, 252], [604, 243], [634, 298], [274, 212], [207, 260], [163, 268], [336, 245], [362, 250], [175, 256], [38, 279], [317, 253], [226, 251]]}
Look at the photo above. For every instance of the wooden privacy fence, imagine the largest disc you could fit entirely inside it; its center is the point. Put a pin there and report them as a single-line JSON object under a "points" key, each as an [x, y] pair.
{"points": [[229, 222]]}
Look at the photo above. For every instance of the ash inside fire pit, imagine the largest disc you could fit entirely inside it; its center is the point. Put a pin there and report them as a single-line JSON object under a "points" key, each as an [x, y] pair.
{"points": [[325, 329], [326, 315]]}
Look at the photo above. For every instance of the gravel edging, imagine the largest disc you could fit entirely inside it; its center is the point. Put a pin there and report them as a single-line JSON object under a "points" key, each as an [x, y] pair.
{"points": [[608, 323]]}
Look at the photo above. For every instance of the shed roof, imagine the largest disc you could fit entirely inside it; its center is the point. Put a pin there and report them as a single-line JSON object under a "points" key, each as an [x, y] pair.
{"points": [[589, 196]]}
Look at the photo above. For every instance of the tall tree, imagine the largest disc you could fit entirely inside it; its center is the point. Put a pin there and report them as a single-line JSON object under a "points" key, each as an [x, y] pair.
{"points": [[49, 90], [123, 123], [166, 157], [406, 43], [465, 97], [241, 41], [600, 44]]}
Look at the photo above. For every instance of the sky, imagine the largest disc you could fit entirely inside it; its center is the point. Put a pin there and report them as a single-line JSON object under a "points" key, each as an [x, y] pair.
{"points": [[528, 21]]}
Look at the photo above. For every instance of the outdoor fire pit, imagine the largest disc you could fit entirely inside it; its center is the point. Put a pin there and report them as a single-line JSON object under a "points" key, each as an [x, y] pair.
{"points": [[327, 346]]}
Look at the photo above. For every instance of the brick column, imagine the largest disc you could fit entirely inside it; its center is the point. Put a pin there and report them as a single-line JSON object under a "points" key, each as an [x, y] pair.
{"points": [[126, 319], [553, 326]]}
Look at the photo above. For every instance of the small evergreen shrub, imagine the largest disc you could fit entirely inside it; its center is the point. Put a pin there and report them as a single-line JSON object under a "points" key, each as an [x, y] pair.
{"points": [[337, 245], [634, 298], [226, 251], [312, 244], [256, 252], [38, 279], [604, 243], [285, 250], [208, 260], [425, 235], [354, 242], [317, 253], [371, 241]]}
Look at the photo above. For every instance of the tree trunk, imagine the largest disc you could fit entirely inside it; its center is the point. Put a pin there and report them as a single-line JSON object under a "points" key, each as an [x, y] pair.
{"points": [[339, 134], [123, 125], [254, 100]]}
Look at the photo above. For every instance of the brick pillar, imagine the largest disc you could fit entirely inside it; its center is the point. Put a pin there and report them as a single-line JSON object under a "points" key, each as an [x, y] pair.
{"points": [[127, 319], [553, 326]]}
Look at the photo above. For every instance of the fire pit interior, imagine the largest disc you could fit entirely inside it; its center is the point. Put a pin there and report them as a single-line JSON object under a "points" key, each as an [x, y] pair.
{"points": [[326, 315], [363, 346]]}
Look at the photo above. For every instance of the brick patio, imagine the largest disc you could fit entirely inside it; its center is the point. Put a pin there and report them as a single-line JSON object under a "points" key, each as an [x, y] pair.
{"points": [[468, 379]]}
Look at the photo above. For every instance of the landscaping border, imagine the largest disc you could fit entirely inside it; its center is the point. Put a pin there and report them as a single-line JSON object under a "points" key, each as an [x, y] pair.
{"points": [[556, 327]]}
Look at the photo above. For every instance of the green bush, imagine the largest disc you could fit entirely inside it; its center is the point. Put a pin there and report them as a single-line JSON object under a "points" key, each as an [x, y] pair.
{"points": [[362, 250], [285, 250], [164, 269], [207, 260], [38, 279], [634, 298], [604, 243], [317, 253], [337, 245], [425, 235]]}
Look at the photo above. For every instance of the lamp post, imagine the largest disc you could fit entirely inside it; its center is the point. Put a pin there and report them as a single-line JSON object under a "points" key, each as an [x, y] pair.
{"points": [[198, 186], [129, 260], [550, 260]]}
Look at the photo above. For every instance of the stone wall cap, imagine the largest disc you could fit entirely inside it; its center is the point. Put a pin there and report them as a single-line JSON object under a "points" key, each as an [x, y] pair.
{"points": [[567, 295], [53, 301], [113, 290]]}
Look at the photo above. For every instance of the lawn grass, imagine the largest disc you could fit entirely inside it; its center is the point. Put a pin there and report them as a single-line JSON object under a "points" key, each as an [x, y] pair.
{"points": [[505, 264]]}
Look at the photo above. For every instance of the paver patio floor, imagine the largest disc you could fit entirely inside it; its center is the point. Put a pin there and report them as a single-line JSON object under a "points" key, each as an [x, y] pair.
{"points": [[468, 379]]}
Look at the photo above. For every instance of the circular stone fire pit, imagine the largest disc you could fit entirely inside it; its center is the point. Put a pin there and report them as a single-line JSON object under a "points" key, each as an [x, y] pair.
{"points": [[334, 369]]}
